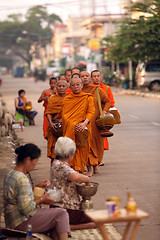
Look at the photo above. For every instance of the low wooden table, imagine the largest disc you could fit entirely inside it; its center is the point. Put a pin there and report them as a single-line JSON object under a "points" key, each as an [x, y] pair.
{"points": [[100, 217]]}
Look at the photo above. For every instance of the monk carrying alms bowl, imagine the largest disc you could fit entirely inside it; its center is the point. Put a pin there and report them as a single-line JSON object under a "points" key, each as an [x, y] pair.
{"points": [[59, 130], [105, 123]]}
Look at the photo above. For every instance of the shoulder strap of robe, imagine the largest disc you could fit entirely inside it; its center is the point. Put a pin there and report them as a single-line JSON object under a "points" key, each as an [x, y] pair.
{"points": [[107, 90]]}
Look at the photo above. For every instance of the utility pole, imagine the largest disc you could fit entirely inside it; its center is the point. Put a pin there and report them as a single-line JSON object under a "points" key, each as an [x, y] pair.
{"points": [[130, 61]]}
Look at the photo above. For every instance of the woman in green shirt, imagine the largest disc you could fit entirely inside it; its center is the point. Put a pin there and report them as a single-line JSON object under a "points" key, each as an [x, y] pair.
{"points": [[20, 208]]}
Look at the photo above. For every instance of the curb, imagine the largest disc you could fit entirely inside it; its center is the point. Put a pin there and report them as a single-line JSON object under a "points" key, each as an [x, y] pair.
{"points": [[137, 93]]}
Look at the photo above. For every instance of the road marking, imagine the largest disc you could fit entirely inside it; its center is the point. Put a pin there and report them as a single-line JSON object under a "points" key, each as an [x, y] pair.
{"points": [[156, 124], [134, 116]]}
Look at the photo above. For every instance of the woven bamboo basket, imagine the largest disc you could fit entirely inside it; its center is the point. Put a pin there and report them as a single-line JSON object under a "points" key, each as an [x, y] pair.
{"points": [[105, 124], [59, 129], [116, 115], [81, 138]]}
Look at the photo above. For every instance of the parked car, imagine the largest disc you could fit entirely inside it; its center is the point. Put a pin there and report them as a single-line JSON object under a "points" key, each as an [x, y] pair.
{"points": [[148, 75]]}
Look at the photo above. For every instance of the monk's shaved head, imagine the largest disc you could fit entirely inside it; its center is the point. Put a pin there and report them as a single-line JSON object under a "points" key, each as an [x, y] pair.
{"points": [[85, 77], [62, 87], [73, 79], [60, 81], [76, 85]]}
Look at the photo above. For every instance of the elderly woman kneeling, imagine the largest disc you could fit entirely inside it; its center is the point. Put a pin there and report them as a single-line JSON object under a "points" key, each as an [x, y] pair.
{"points": [[20, 207], [64, 177]]}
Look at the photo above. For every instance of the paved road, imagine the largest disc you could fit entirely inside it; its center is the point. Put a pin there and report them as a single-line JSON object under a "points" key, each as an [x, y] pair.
{"points": [[131, 164]]}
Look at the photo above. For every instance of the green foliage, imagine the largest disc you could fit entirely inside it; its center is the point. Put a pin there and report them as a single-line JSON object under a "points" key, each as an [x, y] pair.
{"points": [[137, 39], [19, 36]]}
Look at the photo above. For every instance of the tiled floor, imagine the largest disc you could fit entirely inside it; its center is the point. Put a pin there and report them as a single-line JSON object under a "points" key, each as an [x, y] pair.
{"points": [[93, 234]]}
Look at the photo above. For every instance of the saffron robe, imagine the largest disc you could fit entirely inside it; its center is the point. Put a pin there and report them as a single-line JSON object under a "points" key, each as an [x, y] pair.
{"points": [[75, 109], [45, 120], [68, 91], [97, 142], [54, 108], [109, 93]]}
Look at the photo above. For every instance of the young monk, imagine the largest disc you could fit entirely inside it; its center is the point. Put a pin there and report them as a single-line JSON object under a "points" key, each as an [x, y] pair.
{"points": [[96, 77], [45, 97], [53, 112], [97, 142], [68, 74], [62, 77], [75, 70]]}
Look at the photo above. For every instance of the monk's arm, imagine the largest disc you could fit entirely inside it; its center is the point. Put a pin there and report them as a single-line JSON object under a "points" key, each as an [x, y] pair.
{"points": [[42, 97], [78, 177], [105, 100], [91, 108], [110, 95], [51, 124], [49, 117], [90, 112]]}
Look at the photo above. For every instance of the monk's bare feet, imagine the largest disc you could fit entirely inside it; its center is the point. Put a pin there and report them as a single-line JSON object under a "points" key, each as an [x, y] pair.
{"points": [[95, 169], [90, 171], [101, 164]]}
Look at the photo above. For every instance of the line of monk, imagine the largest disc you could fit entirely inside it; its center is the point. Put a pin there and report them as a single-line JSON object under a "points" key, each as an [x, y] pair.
{"points": [[77, 113], [75, 106], [96, 78], [97, 142]]}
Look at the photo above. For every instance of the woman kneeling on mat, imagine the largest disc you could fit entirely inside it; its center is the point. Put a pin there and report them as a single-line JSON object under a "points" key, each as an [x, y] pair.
{"points": [[64, 177]]}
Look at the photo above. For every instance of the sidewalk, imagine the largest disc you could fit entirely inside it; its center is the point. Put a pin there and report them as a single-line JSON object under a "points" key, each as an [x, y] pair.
{"points": [[136, 92], [34, 134]]}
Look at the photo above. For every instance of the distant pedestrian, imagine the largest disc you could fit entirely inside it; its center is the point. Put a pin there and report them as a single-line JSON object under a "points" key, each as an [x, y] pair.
{"points": [[25, 108]]}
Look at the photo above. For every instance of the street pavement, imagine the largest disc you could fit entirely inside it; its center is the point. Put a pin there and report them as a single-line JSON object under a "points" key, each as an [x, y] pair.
{"points": [[131, 164]]}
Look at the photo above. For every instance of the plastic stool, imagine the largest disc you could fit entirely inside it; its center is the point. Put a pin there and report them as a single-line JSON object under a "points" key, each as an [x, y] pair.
{"points": [[20, 123]]}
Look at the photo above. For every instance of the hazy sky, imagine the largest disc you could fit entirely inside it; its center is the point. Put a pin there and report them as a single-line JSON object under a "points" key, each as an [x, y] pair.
{"points": [[63, 8]]}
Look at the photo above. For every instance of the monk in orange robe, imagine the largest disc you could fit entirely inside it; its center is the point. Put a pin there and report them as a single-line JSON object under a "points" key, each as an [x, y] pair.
{"points": [[68, 74], [97, 142], [74, 73], [77, 112], [96, 78], [53, 112], [45, 97]]}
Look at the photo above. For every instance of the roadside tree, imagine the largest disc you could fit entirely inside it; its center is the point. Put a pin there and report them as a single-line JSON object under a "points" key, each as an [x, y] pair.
{"points": [[17, 35], [136, 39]]}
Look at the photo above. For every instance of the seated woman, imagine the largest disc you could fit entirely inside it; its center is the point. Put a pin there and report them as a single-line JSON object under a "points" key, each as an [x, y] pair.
{"points": [[20, 208], [20, 103], [64, 177]]}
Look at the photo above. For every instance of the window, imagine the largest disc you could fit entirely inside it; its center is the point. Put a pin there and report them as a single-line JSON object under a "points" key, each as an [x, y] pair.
{"points": [[153, 67]]}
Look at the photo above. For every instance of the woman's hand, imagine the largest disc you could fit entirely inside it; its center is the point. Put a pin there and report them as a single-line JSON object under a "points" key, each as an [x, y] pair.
{"points": [[45, 199], [44, 184]]}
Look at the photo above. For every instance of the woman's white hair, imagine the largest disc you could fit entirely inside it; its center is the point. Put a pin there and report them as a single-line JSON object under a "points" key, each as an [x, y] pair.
{"points": [[63, 147]]}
